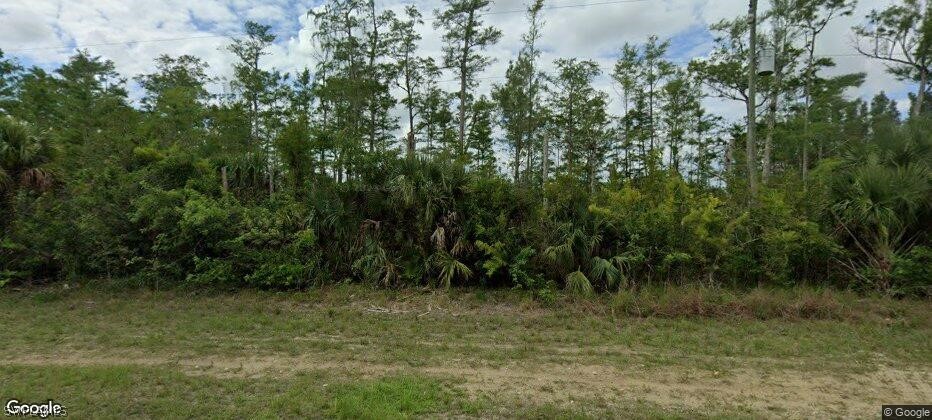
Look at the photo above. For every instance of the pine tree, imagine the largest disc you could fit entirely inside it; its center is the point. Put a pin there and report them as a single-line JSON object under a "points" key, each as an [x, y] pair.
{"points": [[579, 113], [464, 38], [176, 99], [513, 101], [410, 69], [680, 99], [481, 145], [250, 80], [901, 36]]}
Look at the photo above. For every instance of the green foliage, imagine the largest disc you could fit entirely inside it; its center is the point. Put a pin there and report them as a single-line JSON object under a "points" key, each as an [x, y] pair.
{"points": [[881, 198], [497, 263], [912, 272], [450, 269], [289, 181], [577, 284]]}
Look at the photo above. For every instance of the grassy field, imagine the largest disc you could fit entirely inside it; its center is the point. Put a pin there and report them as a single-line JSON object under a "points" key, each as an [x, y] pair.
{"points": [[354, 352]]}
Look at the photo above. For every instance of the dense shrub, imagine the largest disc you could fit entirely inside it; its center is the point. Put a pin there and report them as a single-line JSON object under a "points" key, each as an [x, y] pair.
{"points": [[415, 222]]}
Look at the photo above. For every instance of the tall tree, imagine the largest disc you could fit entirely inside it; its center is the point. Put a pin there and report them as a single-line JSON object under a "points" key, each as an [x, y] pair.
{"points": [[377, 75], [512, 99], [680, 99], [480, 136], [783, 34], [901, 36], [654, 71], [37, 99], [751, 143], [410, 68], [176, 99], [437, 121], [517, 97], [813, 16], [707, 145], [625, 75], [464, 38], [261, 91], [340, 79], [530, 52], [250, 80], [579, 113], [91, 111]]}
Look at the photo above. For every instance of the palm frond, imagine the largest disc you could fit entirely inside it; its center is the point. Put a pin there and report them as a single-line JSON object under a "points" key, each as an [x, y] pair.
{"points": [[450, 269], [604, 271], [439, 238], [577, 284]]}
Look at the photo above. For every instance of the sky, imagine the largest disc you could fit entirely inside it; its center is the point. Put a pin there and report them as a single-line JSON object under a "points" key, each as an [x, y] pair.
{"points": [[133, 32]]}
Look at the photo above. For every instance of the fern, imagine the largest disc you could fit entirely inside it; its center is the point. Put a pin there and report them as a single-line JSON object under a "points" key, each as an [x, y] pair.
{"points": [[495, 260]]}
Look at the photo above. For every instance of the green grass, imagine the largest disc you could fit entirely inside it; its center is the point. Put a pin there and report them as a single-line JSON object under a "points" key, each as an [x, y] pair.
{"points": [[124, 391], [353, 352]]}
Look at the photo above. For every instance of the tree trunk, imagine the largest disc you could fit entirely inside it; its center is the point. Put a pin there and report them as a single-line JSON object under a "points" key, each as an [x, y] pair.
{"points": [[700, 151], [545, 165], [751, 145], [517, 161], [767, 167], [920, 96], [411, 142], [467, 40], [545, 162], [730, 155], [223, 179], [808, 94]]}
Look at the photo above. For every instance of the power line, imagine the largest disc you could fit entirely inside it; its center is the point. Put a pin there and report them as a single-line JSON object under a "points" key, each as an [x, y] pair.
{"points": [[567, 6]]}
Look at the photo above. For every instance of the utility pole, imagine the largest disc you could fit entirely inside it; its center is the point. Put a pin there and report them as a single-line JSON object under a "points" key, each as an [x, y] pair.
{"points": [[752, 101]]}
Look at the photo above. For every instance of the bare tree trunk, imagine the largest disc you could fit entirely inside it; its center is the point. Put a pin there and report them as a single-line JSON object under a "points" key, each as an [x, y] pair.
{"points": [[774, 99], [751, 145], [223, 179], [462, 121], [530, 156], [923, 81], [771, 125], [730, 154], [411, 142], [463, 64], [700, 151], [545, 160], [517, 162], [591, 172], [808, 94]]}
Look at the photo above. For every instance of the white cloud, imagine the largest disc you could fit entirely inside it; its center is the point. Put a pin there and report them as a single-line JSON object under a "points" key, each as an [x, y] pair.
{"points": [[594, 32]]}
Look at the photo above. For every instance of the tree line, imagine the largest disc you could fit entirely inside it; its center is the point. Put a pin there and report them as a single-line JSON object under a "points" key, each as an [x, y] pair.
{"points": [[286, 180]]}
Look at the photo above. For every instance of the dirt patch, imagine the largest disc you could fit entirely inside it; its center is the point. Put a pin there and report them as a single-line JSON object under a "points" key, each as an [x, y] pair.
{"points": [[780, 393]]}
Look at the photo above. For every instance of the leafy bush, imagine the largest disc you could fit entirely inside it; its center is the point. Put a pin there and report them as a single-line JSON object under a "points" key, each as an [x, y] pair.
{"points": [[912, 272]]}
